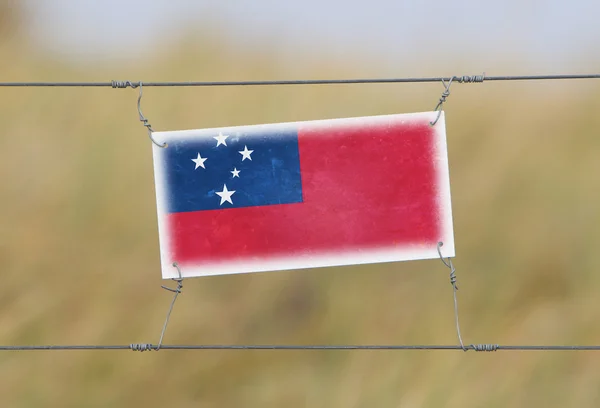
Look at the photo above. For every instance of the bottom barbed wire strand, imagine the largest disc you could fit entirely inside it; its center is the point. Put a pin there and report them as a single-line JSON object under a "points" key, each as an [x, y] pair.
{"points": [[143, 347], [148, 347]]}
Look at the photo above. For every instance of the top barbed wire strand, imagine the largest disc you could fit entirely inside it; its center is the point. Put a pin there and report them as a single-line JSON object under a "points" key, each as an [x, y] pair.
{"points": [[459, 79]]}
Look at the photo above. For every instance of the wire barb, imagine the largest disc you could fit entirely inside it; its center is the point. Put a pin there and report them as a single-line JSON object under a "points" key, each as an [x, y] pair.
{"points": [[484, 347], [177, 291], [141, 347], [466, 79], [124, 84], [455, 289]]}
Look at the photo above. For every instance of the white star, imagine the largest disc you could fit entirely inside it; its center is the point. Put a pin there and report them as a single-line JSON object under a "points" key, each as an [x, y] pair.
{"points": [[225, 195], [221, 139], [246, 153], [235, 172], [199, 162]]}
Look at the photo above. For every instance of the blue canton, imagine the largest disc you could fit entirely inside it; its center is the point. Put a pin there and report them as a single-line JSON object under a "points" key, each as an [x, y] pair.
{"points": [[232, 170]]}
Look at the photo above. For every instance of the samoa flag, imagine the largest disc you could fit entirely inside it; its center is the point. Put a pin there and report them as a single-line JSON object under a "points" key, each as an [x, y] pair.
{"points": [[302, 195]]}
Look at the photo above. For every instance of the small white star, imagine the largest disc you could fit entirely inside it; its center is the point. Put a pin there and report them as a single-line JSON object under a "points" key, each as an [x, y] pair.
{"points": [[221, 139], [199, 162], [225, 195], [235, 172], [246, 153]]}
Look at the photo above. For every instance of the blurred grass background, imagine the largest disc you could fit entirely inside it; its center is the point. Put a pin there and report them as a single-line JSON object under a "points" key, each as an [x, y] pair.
{"points": [[79, 246]]}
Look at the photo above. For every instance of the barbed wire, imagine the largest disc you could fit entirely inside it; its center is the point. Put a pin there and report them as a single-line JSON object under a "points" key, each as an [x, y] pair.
{"points": [[459, 79], [151, 347], [445, 80]]}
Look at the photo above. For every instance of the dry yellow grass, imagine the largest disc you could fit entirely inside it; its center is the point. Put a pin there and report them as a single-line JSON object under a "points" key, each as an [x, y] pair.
{"points": [[79, 250]]}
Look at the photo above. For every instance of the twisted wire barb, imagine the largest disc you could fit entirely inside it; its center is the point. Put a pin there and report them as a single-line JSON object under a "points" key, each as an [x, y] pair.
{"points": [[124, 84], [470, 79]]}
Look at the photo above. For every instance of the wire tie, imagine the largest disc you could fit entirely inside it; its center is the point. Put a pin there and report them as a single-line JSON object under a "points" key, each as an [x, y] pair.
{"points": [[465, 79], [455, 289], [141, 115], [177, 291], [445, 95]]}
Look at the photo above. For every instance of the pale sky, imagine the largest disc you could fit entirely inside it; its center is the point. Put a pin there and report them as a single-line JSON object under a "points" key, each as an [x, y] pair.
{"points": [[547, 36]]}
